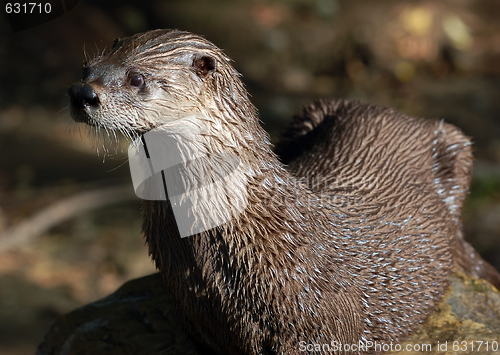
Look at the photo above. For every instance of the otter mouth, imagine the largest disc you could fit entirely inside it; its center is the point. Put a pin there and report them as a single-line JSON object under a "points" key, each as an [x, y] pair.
{"points": [[84, 107], [80, 115]]}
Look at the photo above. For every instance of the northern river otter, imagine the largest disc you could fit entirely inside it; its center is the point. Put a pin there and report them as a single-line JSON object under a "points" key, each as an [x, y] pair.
{"points": [[348, 239]]}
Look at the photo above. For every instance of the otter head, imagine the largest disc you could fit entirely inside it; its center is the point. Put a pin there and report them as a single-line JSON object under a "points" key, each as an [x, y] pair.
{"points": [[156, 78], [179, 95]]}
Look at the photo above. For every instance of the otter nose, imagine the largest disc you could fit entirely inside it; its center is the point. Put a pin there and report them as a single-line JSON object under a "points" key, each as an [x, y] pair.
{"points": [[83, 95]]}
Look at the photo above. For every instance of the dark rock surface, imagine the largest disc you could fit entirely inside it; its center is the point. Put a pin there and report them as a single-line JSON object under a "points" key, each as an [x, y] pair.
{"points": [[138, 318]]}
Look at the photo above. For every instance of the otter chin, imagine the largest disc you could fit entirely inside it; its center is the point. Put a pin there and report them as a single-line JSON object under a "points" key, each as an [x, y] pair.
{"points": [[350, 227]]}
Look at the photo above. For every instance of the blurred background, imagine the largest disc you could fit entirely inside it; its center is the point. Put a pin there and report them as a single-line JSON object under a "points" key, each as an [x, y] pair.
{"points": [[433, 59]]}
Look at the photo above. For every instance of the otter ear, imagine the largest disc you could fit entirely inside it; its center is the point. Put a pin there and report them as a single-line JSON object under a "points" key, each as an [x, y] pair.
{"points": [[204, 65]]}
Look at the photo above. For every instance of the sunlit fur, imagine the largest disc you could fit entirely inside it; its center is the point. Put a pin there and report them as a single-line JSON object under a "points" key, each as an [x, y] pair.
{"points": [[353, 240]]}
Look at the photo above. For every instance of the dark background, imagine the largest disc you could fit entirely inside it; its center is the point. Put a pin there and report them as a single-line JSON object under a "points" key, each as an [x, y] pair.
{"points": [[425, 58]]}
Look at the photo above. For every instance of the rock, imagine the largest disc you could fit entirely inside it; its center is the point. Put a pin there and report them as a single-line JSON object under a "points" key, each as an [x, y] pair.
{"points": [[468, 317], [140, 318]]}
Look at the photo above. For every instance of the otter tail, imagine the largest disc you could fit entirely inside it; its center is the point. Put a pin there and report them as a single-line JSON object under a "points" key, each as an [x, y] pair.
{"points": [[452, 158], [468, 260]]}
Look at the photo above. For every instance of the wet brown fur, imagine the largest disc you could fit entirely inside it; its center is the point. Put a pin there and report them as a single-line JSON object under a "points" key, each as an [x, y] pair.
{"points": [[351, 236]]}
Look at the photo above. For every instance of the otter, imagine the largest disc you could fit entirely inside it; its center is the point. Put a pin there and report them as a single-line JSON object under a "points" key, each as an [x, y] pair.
{"points": [[352, 224]]}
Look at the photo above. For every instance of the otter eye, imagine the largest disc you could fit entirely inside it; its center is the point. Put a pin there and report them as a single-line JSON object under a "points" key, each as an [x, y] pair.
{"points": [[137, 80]]}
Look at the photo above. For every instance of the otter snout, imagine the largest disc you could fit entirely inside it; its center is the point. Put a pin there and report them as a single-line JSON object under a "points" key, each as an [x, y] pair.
{"points": [[82, 96]]}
